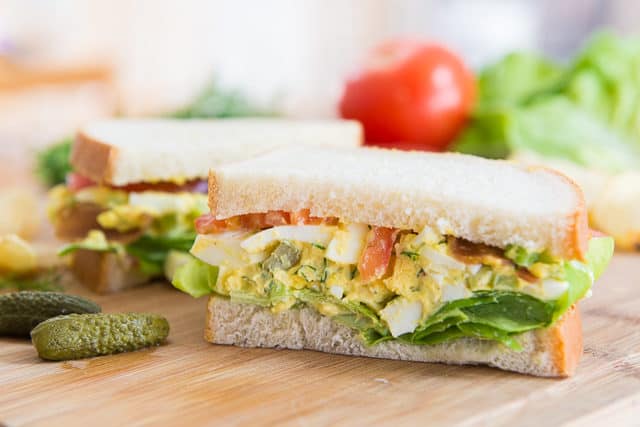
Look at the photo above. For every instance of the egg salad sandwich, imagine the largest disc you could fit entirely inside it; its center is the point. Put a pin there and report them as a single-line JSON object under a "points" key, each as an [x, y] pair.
{"points": [[137, 186], [400, 255]]}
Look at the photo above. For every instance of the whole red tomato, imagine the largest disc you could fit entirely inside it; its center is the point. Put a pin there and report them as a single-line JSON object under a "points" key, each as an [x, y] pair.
{"points": [[410, 95]]}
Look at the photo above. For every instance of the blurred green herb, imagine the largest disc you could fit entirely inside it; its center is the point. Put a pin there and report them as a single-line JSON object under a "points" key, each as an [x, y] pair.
{"points": [[215, 102], [52, 164]]}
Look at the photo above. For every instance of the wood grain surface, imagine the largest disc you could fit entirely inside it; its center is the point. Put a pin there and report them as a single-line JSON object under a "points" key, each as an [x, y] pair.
{"points": [[190, 382]]}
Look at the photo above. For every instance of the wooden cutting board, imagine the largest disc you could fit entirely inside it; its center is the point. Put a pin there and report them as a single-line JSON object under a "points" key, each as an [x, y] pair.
{"points": [[189, 382]]}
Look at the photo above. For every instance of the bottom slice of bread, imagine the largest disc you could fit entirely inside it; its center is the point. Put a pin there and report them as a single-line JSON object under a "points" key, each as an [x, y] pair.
{"points": [[551, 352], [105, 272]]}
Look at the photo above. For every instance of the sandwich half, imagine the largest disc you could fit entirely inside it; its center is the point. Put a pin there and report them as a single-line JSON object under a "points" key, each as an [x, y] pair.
{"points": [[413, 256], [137, 186]]}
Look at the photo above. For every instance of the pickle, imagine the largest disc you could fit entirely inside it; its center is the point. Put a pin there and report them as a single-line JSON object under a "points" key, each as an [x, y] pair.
{"points": [[283, 257], [20, 312], [77, 336]]}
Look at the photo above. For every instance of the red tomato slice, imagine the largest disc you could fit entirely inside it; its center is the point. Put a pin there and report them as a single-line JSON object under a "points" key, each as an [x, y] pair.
{"points": [[76, 182], [376, 255], [302, 217], [207, 224], [275, 218]]}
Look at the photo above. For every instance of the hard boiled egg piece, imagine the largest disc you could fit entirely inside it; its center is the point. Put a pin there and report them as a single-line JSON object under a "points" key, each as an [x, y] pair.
{"points": [[554, 289], [428, 236], [222, 249], [440, 261], [319, 234], [347, 244], [336, 291], [455, 291], [402, 316], [160, 202]]}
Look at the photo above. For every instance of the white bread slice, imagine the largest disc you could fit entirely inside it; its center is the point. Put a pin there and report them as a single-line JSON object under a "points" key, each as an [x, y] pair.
{"points": [[552, 352], [126, 151], [484, 201]]}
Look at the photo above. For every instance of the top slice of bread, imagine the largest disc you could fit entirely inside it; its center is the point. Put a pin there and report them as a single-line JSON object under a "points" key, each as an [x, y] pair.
{"points": [[485, 201], [126, 151]]}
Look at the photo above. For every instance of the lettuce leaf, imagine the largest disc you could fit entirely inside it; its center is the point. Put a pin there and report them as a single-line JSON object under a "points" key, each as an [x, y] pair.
{"points": [[152, 251], [581, 276], [53, 163], [599, 254], [515, 78], [587, 113], [95, 241], [196, 278]]}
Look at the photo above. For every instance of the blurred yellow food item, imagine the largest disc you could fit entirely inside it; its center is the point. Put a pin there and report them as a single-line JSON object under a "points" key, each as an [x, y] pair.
{"points": [[16, 255], [616, 210], [19, 212]]}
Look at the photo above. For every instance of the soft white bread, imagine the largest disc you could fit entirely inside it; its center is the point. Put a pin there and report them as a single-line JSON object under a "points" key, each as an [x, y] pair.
{"points": [[552, 352], [125, 151], [484, 201], [105, 273]]}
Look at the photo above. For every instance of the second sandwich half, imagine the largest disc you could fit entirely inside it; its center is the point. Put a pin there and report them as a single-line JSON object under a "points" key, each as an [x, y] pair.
{"points": [[138, 184], [432, 257]]}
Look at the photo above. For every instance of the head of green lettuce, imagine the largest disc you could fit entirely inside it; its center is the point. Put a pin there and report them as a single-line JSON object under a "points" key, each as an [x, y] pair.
{"points": [[586, 112]]}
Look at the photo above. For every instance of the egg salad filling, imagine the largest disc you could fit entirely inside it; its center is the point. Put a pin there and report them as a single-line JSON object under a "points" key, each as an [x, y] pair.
{"points": [[154, 227], [418, 287]]}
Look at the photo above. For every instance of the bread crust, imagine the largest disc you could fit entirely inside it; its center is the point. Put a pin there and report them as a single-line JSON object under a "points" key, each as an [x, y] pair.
{"points": [[578, 234], [104, 272], [93, 159], [566, 342], [551, 352]]}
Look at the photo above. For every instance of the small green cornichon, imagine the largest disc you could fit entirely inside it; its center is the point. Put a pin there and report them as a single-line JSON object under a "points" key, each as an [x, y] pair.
{"points": [[20, 312], [77, 336]]}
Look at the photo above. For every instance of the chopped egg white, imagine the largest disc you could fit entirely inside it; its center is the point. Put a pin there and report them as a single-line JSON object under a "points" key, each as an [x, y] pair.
{"points": [[440, 261], [161, 202], [347, 244], [549, 289], [474, 268], [454, 292], [428, 236], [402, 316], [222, 250], [437, 277], [319, 234], [554, 289], [336, 291]]}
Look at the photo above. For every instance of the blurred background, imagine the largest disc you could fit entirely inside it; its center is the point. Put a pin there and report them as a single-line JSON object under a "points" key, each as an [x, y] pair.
{"points": [[158, 54], [64, 62]]}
